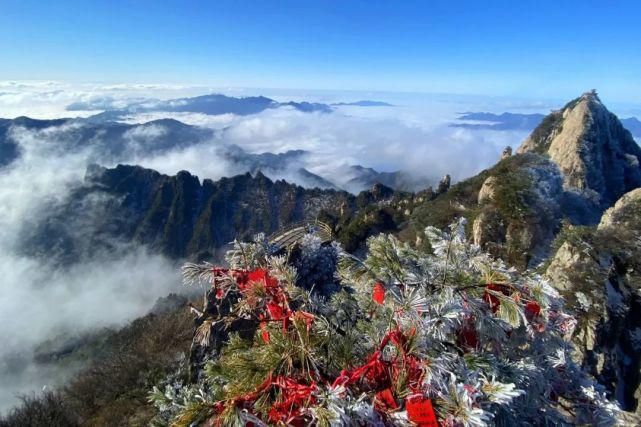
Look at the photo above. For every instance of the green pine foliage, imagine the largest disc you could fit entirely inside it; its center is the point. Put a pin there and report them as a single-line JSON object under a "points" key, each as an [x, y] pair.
{"points": [[484, 344]]}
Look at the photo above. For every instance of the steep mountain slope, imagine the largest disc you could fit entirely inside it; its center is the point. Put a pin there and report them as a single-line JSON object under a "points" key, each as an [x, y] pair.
{"points": [[596, 154], [598, 271], [180, 216], [514, 209], [572, 167]]}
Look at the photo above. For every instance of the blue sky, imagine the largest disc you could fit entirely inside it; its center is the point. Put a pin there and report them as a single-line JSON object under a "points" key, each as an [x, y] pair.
{"points": [[538, 49]]}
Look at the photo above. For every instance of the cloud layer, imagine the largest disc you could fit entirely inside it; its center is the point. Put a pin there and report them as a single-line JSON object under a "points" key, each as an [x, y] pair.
{"points": [[336, 141], [40, 300]]}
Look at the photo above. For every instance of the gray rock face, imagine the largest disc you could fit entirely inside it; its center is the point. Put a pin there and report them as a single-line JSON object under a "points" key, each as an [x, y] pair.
{"points": [[598, 271], [183, 217], [520, 209], [595, 153], [488, 190], [179, 216], [625, 212], [444, 184]]}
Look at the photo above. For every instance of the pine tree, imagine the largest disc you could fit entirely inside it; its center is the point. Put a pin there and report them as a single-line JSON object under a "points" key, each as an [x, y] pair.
{"points": [[403, 337]]}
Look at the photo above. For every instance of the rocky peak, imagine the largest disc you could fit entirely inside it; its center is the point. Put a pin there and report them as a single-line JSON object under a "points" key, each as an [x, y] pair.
{"points": [[381, 192], [626, 212], [596, 154], [444, 184], [179, 215]]}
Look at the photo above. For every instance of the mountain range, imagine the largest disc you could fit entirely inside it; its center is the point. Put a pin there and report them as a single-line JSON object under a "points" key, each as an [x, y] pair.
{"points": [[212, 104], [364, 103], [111, 142], [567, 204], [578, 162]]}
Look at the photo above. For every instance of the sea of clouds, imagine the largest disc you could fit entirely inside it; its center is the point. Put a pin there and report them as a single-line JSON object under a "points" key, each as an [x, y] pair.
{"points": [[40, 300]]}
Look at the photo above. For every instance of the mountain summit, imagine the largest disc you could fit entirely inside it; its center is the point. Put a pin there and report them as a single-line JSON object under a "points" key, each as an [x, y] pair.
{"points": [[597, 155]]}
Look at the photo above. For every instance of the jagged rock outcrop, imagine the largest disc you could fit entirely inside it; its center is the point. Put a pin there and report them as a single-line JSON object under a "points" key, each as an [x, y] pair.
{"points": [[513, 208], [596, 154], [488, 190], [519, 209], [489, 229], [598, 271], [180, 216], [444, 184], [625, 212]]}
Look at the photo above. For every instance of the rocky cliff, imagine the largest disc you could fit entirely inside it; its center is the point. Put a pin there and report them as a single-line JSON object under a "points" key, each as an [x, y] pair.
{"points": [[514, 209], [177, 215], [598, 271], [182, 217], [596, 154], [572, 167]]}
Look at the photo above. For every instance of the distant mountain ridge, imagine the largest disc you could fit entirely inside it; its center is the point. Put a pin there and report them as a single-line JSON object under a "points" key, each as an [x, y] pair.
{"points": [[633, 125], [113, 142], [213, 104], [504, 121], [363, 103], [180, 216], [109, 141]]}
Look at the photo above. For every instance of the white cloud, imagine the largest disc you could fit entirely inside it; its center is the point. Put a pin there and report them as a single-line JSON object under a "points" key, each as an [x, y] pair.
{"points": [[219, 121], [39, 299], [202, 160], [385, 144], [49, 99], [146, 132]]}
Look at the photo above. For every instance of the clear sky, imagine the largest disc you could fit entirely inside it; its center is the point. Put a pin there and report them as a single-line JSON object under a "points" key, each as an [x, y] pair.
{"points": [[530, 48]]}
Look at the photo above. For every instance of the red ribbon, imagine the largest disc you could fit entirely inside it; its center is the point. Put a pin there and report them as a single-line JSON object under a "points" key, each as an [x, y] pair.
{"points": [[532, 309], [420, 411], [376, 375], [378, 295], [467, 338], [384, 400], [493, 300]]}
